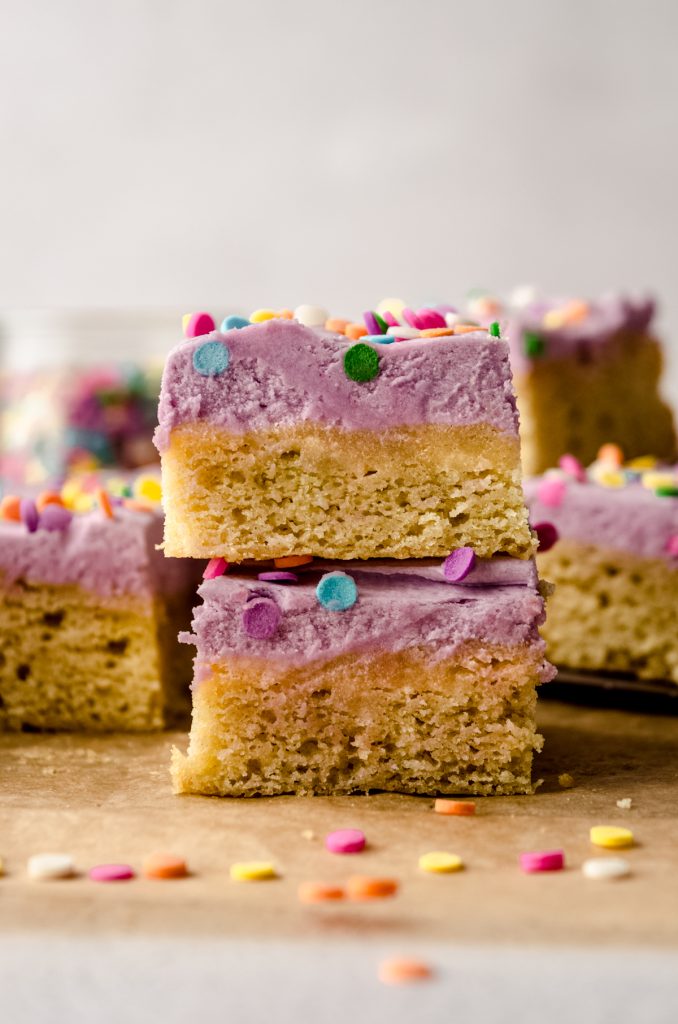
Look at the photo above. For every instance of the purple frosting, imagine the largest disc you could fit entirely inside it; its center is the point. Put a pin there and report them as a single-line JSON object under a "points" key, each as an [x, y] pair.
{"points": [[110, 557], [587, 339], [281, 373], [632, 518], [399, 607]]}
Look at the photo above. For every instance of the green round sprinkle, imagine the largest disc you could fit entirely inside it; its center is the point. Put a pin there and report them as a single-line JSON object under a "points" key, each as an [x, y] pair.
{"points": [[533, 344], [495, 330], [361, 363], [383, 326], [666, 492]]}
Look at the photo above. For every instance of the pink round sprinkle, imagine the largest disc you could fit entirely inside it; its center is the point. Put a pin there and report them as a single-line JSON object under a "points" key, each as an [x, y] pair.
{"points": [[551, 491], [345, 840], [390, 319], [571, 465], [410, 317], [260, 618], [111, 873], [542, 860], [199, 324], [371, 323], [55, 517], [215, 567], [430, 319], [278, 577], [29, 514], [458, 564], [672, 545], [547, 535]]}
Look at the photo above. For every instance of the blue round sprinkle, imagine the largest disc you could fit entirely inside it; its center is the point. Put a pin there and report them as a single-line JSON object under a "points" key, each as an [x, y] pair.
{"points": [[337, 591], [379, 339], [232, 323], [211, 359]]}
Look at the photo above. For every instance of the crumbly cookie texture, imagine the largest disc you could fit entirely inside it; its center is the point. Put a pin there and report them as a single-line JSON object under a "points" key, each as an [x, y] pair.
{"points": [[360, 678], [278, 438]]}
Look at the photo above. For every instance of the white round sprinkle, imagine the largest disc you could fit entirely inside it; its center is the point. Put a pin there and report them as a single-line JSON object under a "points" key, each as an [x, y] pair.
{"points": [[42, 866], [452, 319], [311, 316], [523, 296], [404, 332], [606, 867]]}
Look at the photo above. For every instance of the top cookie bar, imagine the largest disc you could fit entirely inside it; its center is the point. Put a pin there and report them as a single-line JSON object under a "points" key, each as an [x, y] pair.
{"points": [[278, 438]]}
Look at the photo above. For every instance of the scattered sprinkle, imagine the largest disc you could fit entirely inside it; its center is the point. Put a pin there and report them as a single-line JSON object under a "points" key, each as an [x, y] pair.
{"points": [[625, 803], [565, 780], [533, 345], [571, 465], [462, 808], [311, 316], [164, 865], [337, 591], [439, 862], [261, 618], [459, 564], [10, 508], [45, 866], [379, 339], [211, 359], [252, 871], [259, 316], [336, 325], [372, 324], [215, 567], [604, 868], [104, 502], [547, 535], [612, 454], [292, 561], [361, 363], [367, 887], [345, 840], [403, 970], [29, 514], [355, 331], [111, 873], [279, 576], [611, 837], [148, 486], [48, 498], [197, 324], [542, 860], [55, 517], [551, 491], [495, 329], [320, 892], [234, 323]]}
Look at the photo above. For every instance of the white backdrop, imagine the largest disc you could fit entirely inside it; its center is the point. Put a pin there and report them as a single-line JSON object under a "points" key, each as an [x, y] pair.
{"points": [[211, 153]]}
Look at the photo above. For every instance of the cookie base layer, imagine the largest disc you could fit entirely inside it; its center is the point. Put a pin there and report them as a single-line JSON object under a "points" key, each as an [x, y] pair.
{"points": [[414, 492], [70, 660], [611, 611], [401, 722], [578, 404]]}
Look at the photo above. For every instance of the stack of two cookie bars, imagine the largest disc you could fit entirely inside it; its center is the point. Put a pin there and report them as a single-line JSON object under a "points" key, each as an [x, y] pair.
{"points": [[370, 614]]}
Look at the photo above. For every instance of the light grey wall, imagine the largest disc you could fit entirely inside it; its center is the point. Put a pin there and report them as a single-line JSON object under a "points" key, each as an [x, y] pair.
{"points": [[211, 153]]}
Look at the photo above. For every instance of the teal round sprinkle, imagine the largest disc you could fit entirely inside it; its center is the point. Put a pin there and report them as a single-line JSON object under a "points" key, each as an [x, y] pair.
{"points": [[337, 591], [495, 329], [232, 323], [361, 363], [666, 491], [379, 339], [534, 345], [211, 358], [383, 326]]}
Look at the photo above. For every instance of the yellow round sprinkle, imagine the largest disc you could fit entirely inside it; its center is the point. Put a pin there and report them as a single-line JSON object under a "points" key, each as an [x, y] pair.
{"points": [[252, 871], [642, 462], [555, 318], [654, 480], [69, 492], [259, 315], [394, 306], [148, 487], [82, 503], [184, 321], [611, 836], [440, 862], [610, 478]]}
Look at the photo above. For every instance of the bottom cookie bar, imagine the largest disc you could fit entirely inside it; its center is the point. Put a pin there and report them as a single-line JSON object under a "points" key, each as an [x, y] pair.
{"points": [[380, 678]]}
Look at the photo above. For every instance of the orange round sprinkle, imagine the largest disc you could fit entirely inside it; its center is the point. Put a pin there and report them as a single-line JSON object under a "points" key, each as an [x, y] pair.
{"points": [[401, 970], [365, 887], [355, 331], [612, 454], [285, 314], [104, 502], [289, 561], [48, 498], [164, 865], [459, 807], [10, 508], [467, 328], [337, 325], [136, 506], [320, 892], [437, 332]]}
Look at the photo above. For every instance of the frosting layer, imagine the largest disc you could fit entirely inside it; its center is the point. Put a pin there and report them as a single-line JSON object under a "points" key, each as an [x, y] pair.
{"points": [[280, 372], [398, 607]]}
